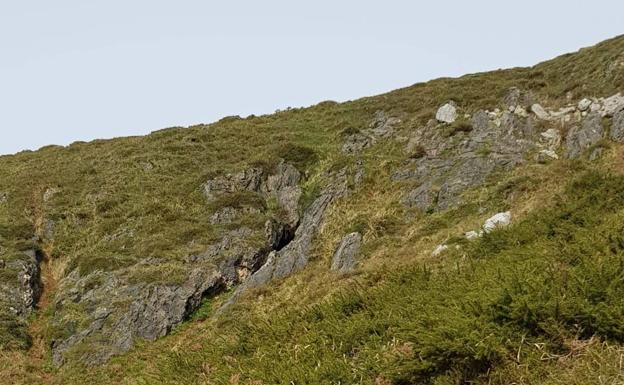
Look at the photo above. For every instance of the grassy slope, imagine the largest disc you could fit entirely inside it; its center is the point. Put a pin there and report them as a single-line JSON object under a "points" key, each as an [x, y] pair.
{"points": [[149, 187]]}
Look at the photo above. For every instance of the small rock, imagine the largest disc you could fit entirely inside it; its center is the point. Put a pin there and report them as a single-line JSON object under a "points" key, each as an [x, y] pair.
{"points": [[540, 112], [345, 257], [546, 156], [551, 138], [3, 197], [497, 221], [520, 111], [473, 234], [439, 250], [584, 104], [447, 113]]}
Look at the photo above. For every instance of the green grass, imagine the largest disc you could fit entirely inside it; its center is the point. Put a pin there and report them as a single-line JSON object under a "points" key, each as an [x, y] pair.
{"points": [[489, 315]]}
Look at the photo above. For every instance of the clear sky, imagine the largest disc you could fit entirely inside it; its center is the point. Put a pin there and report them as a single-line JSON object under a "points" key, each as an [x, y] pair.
{"points": [[79, 70]]}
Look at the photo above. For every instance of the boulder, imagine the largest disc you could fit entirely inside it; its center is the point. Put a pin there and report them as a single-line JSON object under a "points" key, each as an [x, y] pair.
{"points": [[447, 113], [497, 221], [345, 257], [540, 112]]}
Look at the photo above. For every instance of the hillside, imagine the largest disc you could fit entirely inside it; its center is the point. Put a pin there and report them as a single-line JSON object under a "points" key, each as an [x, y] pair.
{"points": [[466, 230]]}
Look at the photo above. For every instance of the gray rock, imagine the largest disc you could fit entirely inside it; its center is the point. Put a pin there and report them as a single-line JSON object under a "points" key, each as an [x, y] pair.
{"points": [[584, 104], [447, 113], [540, 112], [551, 138], [612, 105], [345, 257], [516, 97], [596, 153], [584, 136], [381, 127], [545, 156], [355, 143], [249, 180], [617, 127], [497, 221], [4, 197], [421, 197]]}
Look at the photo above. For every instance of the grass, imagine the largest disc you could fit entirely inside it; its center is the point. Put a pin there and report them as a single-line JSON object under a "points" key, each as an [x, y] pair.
{"points": [[550, 286], [125, 200]]}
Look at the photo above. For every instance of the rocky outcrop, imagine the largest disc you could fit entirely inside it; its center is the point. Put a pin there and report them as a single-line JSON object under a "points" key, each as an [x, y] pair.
{"points": [[20, 289], [617, 128], [451, 165], [381, 127], [345, 257], [582, 137], [150, 308]]}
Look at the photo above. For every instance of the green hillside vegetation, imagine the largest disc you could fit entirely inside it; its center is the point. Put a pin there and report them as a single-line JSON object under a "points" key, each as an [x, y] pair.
{"points": [[539, 302]]}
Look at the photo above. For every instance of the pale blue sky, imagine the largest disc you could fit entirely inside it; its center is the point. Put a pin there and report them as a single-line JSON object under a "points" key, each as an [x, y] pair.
{"points": [[79, 70]]}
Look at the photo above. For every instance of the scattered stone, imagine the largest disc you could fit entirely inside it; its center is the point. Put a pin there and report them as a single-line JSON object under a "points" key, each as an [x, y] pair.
{"points": [[540, 112], [4, 197], [447, 113], [584, 104], [545, 156], [345, 257], [473, 234], [497, 221], [439, 250]]}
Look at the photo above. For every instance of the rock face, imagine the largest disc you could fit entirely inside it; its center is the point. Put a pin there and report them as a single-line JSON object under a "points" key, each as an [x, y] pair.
{"points": [[20, 289], [584, 136], [345, 257], [447, 113], [381, 127], [152, 308], [617, 128], [612, 105], [296, 254], [452, 165]]}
